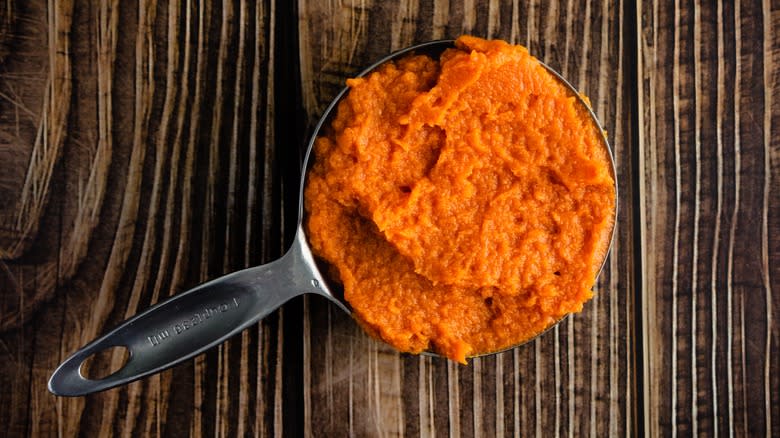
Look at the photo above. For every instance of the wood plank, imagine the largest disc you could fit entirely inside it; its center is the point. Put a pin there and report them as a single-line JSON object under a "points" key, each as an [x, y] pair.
{"points": [[162, 180], [708, 80], [577, 379], [145, 147]]}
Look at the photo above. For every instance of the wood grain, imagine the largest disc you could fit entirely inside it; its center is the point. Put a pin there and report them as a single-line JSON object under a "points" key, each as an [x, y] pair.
{"points": [[35, 111], [127, 223], [578, 378], [148, 146], [709, 80]]}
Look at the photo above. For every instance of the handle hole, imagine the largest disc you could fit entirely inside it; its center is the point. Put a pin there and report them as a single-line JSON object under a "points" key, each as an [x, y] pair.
{"points": [[104, 363]]}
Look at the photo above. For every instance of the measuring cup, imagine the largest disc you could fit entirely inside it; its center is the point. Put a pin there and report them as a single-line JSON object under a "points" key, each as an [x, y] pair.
{"points": [[194, 321]]}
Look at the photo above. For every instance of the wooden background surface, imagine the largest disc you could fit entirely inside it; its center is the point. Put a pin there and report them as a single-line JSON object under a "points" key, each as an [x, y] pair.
{"points": [[148, 146]]}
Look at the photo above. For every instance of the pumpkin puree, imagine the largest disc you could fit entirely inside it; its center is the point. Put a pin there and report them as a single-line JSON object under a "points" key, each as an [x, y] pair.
{"points": [[465, 204]]}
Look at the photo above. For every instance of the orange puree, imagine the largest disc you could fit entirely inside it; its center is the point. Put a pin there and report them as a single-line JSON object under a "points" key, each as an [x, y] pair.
{"points": [[465, 204]]}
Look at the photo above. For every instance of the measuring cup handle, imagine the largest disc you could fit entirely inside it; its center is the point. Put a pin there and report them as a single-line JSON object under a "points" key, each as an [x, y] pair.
{"points": [[188, 324]]}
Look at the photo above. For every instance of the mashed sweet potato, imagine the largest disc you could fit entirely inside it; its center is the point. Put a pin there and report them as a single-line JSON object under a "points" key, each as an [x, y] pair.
{"points": [[465, 203]]}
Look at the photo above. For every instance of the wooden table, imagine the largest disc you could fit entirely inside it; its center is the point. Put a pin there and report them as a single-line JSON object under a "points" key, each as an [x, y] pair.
{"points": [[147, 147]]}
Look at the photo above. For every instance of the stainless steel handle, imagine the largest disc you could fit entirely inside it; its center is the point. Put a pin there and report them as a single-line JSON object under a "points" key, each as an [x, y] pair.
{"points": [[193, 321]]}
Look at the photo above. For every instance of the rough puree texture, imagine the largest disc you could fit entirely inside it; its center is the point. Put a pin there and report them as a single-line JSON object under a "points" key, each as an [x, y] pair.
{"points": [[465, 204]]}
